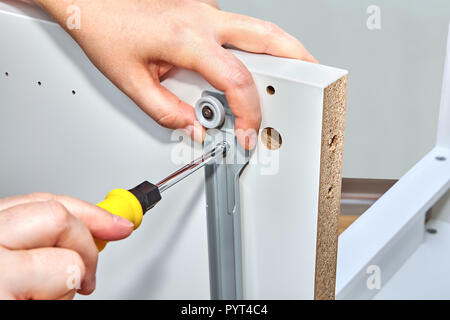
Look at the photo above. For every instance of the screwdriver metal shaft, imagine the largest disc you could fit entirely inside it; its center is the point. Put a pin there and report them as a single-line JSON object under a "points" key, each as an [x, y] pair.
{"points": [[134, 203], [219, 150]]}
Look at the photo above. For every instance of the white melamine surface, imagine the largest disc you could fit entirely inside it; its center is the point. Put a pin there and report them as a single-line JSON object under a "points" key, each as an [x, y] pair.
{"points": [[85, 144], [89, 143], [425, 274], [392, 228], [390, 234]]}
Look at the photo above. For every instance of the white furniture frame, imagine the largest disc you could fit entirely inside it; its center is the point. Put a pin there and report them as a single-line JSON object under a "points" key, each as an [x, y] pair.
{"points": [[391, 235], [92, 140]]}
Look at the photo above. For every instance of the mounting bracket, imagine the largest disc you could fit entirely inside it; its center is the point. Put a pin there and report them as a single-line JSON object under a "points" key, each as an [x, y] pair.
{"points": [[223, 210]]}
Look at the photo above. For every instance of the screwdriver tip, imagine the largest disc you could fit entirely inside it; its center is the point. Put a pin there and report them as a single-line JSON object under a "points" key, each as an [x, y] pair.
{"points": [[225, 147]]}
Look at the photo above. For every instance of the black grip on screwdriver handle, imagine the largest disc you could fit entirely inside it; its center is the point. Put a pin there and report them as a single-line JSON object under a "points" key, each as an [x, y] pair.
{"points": [[148, 195]]}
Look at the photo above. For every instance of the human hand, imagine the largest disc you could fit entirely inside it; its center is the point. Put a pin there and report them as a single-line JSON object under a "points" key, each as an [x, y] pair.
{"points": [[47, 245], [135, 42]]}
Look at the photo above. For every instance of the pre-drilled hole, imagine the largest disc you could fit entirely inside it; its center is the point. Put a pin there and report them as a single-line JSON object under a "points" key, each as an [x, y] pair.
{"points": [[270, 90], [73, 92], [271, 138], [39, 83], [6, 74], [332, 143], [330, 191]]}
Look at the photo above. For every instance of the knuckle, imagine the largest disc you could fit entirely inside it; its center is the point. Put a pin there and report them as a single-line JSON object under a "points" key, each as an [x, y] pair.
{"points": [[58, 214], [165, 120], [271, 28], [186, 36], [41, 196], [240, 77], [180, 28], [168, 120], [189, 46]]}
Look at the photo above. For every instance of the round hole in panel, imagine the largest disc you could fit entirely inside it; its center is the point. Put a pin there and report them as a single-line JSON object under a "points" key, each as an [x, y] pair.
{"points": [[270, 90], [271, 138]]}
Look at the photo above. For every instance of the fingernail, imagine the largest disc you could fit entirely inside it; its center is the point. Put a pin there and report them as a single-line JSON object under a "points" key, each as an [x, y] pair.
{"points": [[123, 222], [88, 286], [247, 138], [189, 130], [196, 132]]}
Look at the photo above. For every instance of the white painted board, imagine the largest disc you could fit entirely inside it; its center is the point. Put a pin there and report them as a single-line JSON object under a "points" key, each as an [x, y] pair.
{"points": [[424, 276], [54, 140]]}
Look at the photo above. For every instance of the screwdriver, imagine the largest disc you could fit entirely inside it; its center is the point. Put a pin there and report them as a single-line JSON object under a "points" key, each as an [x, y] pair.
{"points": [[134, 203]]}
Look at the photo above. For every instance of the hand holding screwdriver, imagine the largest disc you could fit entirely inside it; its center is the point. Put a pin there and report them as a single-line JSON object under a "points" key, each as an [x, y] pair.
{"points": [[134, 203]]}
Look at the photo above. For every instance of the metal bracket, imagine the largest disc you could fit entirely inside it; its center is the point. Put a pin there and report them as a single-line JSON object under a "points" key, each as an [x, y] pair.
{"points": [[223, 210]]}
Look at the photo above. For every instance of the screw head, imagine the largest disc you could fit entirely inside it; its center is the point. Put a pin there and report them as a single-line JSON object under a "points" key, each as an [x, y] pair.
{"points": [[207, 113]]}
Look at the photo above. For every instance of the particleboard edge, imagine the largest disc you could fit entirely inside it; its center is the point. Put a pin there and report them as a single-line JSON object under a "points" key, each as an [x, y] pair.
{"points": [[333, 125]]}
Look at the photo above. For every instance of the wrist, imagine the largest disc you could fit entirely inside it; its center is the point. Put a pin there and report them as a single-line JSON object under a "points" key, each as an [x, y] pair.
{"points": [[65, 12]]}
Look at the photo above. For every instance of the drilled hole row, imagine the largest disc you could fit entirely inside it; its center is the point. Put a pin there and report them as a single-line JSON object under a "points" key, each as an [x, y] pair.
{"points": [[39, 83], [271, 138], [269, 89]]}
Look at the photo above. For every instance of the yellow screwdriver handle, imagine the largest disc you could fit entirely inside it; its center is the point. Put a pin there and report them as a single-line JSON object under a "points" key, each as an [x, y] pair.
{"points": [[122, 203]]}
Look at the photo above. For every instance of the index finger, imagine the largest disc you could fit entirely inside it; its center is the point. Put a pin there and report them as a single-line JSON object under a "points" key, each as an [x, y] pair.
{"points": [[259, 36], [102, 224], [227, 73]]}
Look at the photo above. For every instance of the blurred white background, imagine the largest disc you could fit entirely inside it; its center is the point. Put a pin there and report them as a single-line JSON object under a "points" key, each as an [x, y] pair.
{"points": [[395, 72]]}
